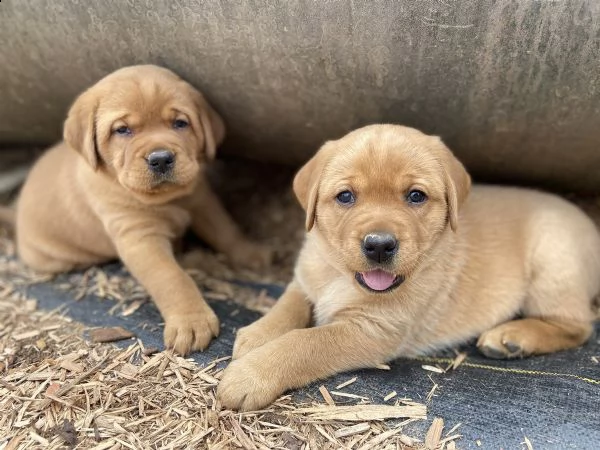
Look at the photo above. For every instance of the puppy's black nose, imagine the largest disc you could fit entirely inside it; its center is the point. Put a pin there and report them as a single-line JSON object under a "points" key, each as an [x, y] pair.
{"points": [[379, 247], [161, 161]]}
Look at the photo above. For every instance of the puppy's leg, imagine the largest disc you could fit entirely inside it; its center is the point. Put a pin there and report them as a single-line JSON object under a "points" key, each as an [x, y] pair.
{"points": [[212, 223], [530, 336], [292, 310], [190, 324], [557, 311], [298, 358], [557, 315]]}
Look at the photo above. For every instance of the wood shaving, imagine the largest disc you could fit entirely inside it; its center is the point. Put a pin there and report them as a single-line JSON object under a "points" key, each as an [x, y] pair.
{"points": [[453, 429], [382, 438], [352, 430], [460, 358], [346, 383], [347, 395], [431, 393], [434, 434], [433, 369], [326, 396], [390, 396], [363, 412], [110, 334]]}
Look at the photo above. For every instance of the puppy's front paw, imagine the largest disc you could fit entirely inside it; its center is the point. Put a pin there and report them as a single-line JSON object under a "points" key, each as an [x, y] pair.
{"points": [[254, 336], [188, 332], [250, 255], [248, 385], [504, 342]]}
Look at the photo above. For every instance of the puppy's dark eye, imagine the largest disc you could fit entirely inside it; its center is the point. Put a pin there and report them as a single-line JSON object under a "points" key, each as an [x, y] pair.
{"points": [[123, 131], [345, 198], [416, 197], [179, 124]]}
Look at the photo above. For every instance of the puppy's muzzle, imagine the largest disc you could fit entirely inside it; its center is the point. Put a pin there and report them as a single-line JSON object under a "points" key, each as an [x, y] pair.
{"points": [[379, 247], [161, 161]]}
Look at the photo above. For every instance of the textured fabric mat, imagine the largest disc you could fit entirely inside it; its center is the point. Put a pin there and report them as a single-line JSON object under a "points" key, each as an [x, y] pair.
{"points": [[552, 400]]}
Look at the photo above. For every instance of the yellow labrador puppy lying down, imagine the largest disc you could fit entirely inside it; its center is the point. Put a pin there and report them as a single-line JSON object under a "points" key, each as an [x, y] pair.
{"points": [[400, 260]]}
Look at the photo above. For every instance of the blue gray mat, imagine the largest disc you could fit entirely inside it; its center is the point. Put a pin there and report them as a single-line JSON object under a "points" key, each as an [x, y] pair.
{"points": [[553, 400]]}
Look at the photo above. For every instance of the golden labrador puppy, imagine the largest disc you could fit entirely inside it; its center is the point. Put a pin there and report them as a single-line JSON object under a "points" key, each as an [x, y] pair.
{"points": [[126, 183], [399, 261]]}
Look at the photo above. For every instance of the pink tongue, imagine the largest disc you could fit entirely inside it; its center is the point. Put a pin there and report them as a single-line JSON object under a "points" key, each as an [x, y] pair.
{"points": [[378, 280]]}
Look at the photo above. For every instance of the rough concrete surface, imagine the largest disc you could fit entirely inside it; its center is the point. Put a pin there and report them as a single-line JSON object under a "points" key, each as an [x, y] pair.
{"points": [[513, 86]]}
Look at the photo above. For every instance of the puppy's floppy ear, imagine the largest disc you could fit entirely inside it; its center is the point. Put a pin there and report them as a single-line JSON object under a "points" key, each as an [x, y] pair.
{"points": [[80, 128], [307, 180], [211, 123], [457, 180]]}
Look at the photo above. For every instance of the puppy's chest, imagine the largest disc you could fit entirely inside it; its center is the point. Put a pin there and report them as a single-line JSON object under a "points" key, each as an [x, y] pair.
{"points": [[329, 300], [168, 220], [176, 218]]}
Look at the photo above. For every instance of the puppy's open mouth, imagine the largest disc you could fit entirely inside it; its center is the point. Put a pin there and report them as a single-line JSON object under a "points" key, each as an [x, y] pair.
{"points": [[378, 280]]}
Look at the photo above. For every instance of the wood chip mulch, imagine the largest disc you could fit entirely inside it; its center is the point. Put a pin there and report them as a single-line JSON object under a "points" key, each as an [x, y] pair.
{"points": [[58, 390]]}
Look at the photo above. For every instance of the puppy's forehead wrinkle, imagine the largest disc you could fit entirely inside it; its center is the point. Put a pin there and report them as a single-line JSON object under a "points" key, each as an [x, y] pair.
{"points": [[391, 155], [148, 98], [109, 117], [383, 173]]}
